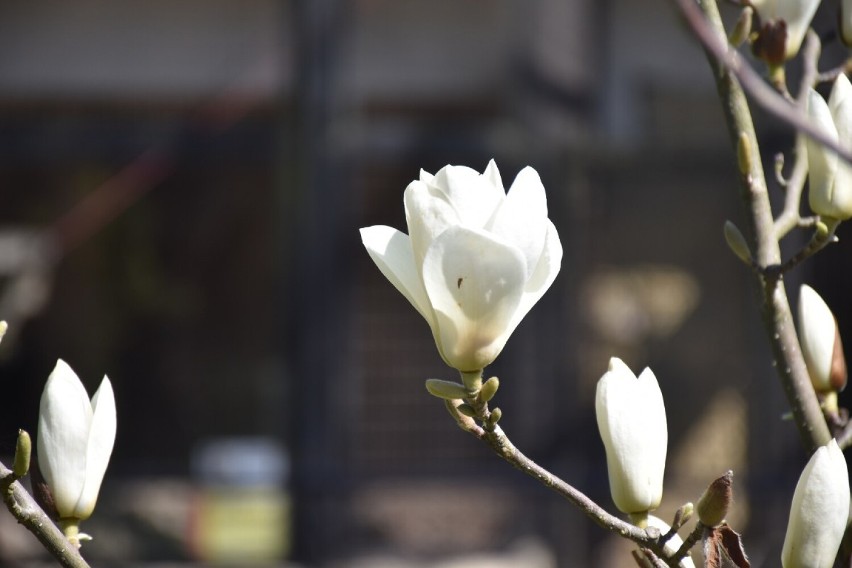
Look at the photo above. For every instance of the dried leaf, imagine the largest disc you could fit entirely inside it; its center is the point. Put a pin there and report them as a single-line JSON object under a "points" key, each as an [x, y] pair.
{"points": [[733, 545], [723, 548], [712, 555]]}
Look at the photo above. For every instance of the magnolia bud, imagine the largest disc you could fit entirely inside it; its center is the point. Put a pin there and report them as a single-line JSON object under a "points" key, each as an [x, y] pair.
{"points": [[784, 24], [821, 345], [714, 503], [683, 515], [829, 177], [819, 511], [632, 423]]}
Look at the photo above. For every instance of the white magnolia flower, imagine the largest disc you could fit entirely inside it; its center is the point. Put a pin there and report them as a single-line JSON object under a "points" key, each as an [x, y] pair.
{"points": [[796, 14], [632, 423], [75, 439], [820, 339], [819, 512], [475, 259], [830, 193]]}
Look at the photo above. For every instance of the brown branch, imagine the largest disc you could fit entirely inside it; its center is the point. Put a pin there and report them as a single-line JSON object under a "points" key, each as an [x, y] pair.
{"points": [[705, 22], [24, 508], [690, 541], [729, 62], [494, 436]]}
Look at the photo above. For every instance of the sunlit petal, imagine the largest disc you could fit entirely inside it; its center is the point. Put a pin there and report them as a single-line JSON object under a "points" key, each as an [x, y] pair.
{"points": [[392, 253], [65, 417], [99, 450], [475, 284]]}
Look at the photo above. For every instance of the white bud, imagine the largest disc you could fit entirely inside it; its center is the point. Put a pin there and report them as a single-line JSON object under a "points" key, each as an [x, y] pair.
{"points": [[75, 440], [830, 178], [632, 423], [821, 345], [819, 511]]}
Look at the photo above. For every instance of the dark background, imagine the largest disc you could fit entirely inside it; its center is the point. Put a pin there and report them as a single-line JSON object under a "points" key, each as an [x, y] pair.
{"points": [[182, 187]]}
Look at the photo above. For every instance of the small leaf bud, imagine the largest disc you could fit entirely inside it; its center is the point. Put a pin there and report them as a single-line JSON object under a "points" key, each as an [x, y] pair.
{"points": [[489, 389], [496, 415], [683, 515], [742, 28], [737, 242], [467, 410], [446, 389], [23, 453], [714, 503]]}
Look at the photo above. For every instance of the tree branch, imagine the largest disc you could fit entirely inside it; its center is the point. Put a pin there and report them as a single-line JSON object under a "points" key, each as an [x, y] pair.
{"points": [[729, 62], [705, 22], [24, 508], [503, 447]]}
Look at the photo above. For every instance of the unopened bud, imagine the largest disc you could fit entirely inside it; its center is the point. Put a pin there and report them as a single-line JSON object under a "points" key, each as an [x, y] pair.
{"points": [[496, 415], [737, 242], [467, 410], [489, 389], [447, 390], [683, 515], [713, 505], [742, 28], [23, 453]]}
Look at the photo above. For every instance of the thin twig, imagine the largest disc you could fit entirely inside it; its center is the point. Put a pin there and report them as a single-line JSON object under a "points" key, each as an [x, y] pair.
{"points": [[790, 217], [24, 508], [766, 97], [689, 542], [503, 447], [777, 318]]}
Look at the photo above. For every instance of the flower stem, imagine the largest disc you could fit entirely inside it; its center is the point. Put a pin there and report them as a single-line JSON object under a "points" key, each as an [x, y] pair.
{"points": [[472, 381]]}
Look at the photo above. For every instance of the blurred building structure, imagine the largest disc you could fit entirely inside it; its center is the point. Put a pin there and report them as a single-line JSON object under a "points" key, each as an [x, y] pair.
{"points": [[201, 170]]}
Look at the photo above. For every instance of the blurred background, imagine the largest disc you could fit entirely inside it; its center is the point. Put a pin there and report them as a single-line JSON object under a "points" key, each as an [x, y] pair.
{"points": [[182, 186]]}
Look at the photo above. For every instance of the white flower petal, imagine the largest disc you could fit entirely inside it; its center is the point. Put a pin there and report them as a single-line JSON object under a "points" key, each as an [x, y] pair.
{"points": [[475, 284], [392, 253], [520, 217], [817, 329], [473, 196], [632, 424], [470, 330], [798, 15], [65, 416], [822, 163], [492, 174], [819, 511], [99, 450], [545, 273], [428, 213], [840, 105]]}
